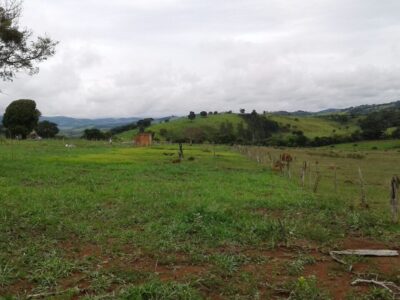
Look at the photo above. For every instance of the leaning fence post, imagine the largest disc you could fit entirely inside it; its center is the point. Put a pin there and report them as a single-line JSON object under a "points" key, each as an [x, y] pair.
{"points": [[303, 173], [394, 198], [362, 187]]}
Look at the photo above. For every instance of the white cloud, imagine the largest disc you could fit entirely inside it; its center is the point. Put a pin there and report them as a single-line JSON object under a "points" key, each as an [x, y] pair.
{"points": [[160, 57]]}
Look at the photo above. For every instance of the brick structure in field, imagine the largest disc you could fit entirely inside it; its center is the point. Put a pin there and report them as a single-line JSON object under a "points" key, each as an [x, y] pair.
{"points": [[143, 139]]}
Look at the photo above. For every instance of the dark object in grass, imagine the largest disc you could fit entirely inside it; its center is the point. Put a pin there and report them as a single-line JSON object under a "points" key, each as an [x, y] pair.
{"points": [[394, 198], [168, 154], [180, 153], [176, 161], [191, 158]]}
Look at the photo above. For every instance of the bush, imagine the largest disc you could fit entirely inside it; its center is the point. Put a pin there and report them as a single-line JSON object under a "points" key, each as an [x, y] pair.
{"points": [[159, 290], [94, 135]]}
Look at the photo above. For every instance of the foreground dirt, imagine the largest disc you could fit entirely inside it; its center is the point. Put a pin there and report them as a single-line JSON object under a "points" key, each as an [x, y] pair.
{"points": [[268, 268]]}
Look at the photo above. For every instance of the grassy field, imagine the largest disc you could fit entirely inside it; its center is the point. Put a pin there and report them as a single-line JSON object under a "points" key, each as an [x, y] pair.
{"points": [[177, 127], [369, 146], [315, 126], [112, 221]]}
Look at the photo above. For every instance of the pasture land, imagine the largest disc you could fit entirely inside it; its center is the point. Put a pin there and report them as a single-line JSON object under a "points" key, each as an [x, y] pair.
{"points": [[315, 126], [339, 171], [309, 125], [369, 146], [113, 221]]}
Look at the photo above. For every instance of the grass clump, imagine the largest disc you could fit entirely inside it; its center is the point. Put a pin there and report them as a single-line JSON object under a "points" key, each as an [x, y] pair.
{"points": [[7, 274], [46, 272], [228, 264], [161, 291], [306, 288], [296, 267]]}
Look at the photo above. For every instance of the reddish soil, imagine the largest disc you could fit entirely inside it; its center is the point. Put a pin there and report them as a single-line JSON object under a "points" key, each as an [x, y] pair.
{"points": [[270, 271]]}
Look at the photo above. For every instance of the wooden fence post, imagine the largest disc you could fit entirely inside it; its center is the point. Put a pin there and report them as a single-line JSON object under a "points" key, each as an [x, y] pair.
{"points": [[317, 178], [335, 177], [180, 151], [214, 149], [303, 173], [362, 187], [394, 198]]}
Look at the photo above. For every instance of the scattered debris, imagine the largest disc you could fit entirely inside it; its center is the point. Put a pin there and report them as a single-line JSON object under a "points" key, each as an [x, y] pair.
{"points": [[390, 286], [367, 252], [56, 293], [362, 252]]}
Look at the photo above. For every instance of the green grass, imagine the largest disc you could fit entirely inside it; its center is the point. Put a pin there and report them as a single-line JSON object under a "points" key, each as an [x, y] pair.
{"points": [[177, 127], [123, 222], [315, 126], [368, 145]]}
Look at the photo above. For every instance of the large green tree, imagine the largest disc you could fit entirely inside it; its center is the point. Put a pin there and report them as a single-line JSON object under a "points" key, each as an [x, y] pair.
{"points": [[19, 51], [94, 134], [21, 117], [47, 129]]}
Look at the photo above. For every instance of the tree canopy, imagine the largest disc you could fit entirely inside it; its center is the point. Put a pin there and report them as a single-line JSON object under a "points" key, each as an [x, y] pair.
{"points": [[192, 116], [47, 129], [21, 117], [19, 51], [95, 134]]}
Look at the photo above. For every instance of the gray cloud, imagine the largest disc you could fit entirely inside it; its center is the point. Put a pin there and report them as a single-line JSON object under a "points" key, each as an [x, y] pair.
{"points": [[160, 57]]}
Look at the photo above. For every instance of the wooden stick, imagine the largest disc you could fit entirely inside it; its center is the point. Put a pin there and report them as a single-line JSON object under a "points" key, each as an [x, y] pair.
{"points": [[317, 180], [390, 286], [367, 252], [335, 178], [363, 198], [75, 290], [394, 198], [335, 258], [303, 173]]}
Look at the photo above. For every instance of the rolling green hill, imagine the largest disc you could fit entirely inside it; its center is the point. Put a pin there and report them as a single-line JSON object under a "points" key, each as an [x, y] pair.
{"points": [[311, 126], [315, 126]]}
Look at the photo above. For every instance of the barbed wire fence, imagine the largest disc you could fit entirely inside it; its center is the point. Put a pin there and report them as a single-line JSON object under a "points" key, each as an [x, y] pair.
{"points": [[343, 175]]}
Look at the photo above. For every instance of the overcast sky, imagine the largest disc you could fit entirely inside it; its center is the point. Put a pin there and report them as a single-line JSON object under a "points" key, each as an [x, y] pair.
{"points": [[160, 57]]}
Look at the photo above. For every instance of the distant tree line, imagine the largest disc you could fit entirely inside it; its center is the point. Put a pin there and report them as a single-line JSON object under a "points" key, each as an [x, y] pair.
{"points": [[141, 124], [97, 134]]}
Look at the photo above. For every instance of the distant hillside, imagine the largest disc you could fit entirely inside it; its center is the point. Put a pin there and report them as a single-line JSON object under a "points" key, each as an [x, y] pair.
{"points": [[366, 109], [67, 122], [214, 126], [312, 124], [75, 126], [357, 110], [176, 128]]}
